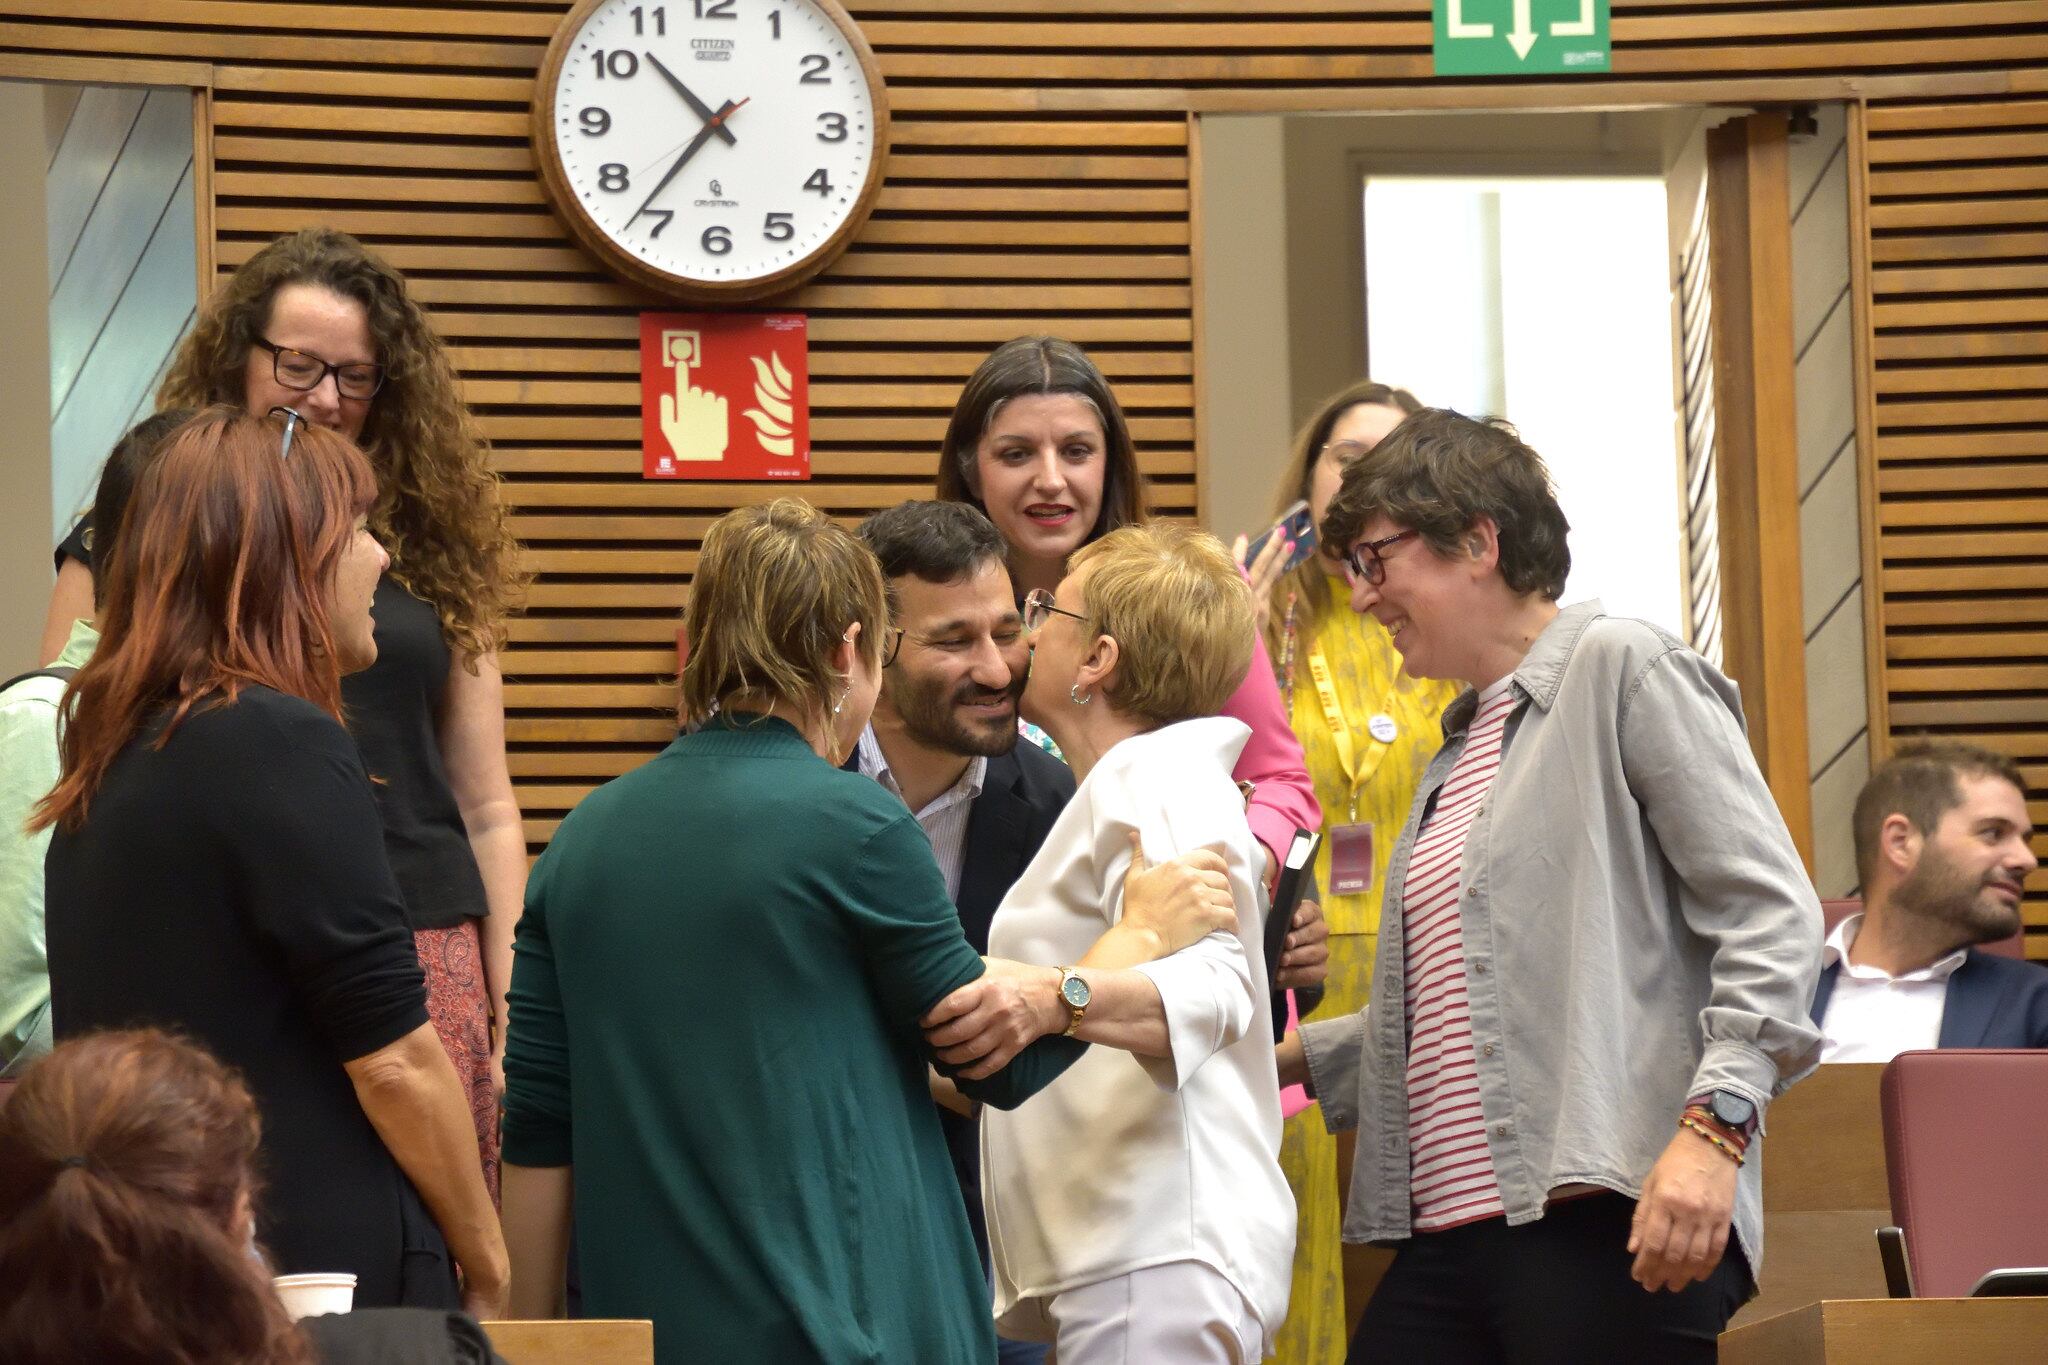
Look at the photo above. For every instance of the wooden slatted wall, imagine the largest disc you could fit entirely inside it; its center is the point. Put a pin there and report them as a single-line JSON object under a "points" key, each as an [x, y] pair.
{"points": [[1958, 247], [1042, 181]]}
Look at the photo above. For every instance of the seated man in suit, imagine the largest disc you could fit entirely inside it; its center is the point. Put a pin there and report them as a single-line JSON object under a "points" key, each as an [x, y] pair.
{"points": [[943, 737], [1942, 845]]}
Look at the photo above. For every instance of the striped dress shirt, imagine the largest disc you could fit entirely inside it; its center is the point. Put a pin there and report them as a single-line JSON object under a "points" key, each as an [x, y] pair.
{"points": [[1451, 1175], [944, 821]]}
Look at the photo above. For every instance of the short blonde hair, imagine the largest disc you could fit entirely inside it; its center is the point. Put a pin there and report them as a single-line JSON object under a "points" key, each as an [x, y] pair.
{"points": [[1180, 612], [776, 589]]}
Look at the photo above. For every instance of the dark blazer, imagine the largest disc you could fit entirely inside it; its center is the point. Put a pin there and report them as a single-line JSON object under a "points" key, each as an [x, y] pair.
{"points": [[1992, 1001], [1022, 793]]}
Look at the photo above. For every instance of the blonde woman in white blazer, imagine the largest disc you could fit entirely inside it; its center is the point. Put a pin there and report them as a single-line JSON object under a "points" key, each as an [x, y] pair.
{"points": [[1136, 1208]]}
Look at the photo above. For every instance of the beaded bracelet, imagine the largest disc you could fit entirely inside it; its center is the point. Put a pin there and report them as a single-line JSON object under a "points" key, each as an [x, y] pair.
{"points": [[1735, 1137], [1727, 1148]]}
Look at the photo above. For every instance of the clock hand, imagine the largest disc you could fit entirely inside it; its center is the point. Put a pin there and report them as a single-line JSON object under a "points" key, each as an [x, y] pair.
{"points": [[704, 134], [703, 110]]}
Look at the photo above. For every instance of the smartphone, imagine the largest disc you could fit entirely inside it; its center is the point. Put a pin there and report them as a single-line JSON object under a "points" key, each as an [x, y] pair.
{"points": [[1295, 875], [1295, 524]]}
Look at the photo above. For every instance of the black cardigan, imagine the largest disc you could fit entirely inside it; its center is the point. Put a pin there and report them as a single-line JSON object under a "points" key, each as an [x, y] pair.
{"points": [[232, 886]]}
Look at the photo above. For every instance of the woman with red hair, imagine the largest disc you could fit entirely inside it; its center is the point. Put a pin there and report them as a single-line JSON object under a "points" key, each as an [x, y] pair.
{"points": [[218, 864], [128, 1184]]}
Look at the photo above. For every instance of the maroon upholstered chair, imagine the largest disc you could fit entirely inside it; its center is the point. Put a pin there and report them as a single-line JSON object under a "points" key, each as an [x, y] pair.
{"points": [[1965, 1143], [1834, 912]]}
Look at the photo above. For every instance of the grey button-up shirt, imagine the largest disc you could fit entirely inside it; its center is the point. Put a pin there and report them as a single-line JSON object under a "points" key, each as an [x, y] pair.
{"points": [[1637, 926]]}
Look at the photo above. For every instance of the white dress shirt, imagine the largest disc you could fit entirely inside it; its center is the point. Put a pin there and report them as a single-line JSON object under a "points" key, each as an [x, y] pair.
{"points": [[944, 821], [1873, 1016], [1128, 1162]]}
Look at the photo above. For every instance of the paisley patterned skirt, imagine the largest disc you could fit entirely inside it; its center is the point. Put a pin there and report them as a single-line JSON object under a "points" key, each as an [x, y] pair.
{"points": [[461, 1010]]}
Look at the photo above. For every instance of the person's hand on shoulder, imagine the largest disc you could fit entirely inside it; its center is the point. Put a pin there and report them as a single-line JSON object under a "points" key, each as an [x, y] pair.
{"points": [[1176, 903]]}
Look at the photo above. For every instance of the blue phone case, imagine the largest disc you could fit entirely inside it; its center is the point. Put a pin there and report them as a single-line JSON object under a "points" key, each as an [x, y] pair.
{"points": [[1299, 526]]}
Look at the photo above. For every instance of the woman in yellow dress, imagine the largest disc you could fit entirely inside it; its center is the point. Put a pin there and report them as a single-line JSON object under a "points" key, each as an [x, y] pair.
{"points": [[1368, 731]]}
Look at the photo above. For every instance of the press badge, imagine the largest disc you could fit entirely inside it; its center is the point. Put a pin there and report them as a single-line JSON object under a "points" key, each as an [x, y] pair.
{"points": [[1350, 859]]}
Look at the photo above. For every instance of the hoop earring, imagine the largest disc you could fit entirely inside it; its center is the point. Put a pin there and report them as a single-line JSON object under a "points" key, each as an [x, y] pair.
{"points": [[1075, 695]]}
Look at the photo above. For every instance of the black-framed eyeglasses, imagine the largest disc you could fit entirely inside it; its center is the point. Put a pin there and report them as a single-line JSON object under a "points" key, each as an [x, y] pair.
{"points": [[297, 370], [892, 645], [1038, 605], [1364, 557], [291, 427]]}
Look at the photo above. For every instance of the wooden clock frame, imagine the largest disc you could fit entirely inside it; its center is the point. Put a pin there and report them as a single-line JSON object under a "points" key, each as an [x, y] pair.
{"points": [[569, 209]]}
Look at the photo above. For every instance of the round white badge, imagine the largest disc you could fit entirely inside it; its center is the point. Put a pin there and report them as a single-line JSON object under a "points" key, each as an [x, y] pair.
{"points": [[1382, 728]]}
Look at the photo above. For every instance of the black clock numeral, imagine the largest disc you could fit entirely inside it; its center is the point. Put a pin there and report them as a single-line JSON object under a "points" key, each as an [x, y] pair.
{"points": [[715, 9], [660, 14], [620, 63], [815, 66], [819, 182], [667, 216], [780, 227], [775, 24], [717, 240], [834, 129], [596, 122], [612, 178]]}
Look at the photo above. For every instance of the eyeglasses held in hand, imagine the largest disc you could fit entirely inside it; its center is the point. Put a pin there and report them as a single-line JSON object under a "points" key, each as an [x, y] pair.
{"points": [[291, 428], [1364, 557], [297, 370], [1038, 606]]}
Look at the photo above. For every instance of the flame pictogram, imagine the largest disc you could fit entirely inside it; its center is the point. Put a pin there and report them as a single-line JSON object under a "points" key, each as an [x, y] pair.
{"points": [[774, 417]]}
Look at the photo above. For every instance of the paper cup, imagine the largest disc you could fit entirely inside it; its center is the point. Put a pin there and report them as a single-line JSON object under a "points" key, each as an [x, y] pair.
{"points": [[309, 1296]]}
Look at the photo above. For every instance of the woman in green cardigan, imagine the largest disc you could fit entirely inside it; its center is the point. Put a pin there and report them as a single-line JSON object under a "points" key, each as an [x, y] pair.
{"points": [[719, 977]]}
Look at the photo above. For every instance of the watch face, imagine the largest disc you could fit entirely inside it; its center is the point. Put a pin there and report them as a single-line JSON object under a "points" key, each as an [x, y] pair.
{"points": [[1731, 1109], [1075, 992], [720, 141]]}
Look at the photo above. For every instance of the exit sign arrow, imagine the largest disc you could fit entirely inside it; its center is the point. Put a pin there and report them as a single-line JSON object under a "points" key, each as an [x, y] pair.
{"points": [[1507, 37]]}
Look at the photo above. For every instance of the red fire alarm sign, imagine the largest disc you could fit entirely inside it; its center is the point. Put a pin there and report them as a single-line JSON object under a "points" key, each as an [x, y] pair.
{"points": [[725, 396]]}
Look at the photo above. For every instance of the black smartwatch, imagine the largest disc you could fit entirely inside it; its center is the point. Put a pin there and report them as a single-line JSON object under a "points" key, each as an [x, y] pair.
{"points": [[1731, 1111]]}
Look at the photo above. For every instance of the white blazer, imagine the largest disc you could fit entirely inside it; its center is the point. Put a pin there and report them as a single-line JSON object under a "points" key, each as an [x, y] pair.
{"points": [[1125, 1161]]}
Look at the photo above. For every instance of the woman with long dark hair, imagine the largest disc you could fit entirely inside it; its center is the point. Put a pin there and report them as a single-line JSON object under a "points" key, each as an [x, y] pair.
{"points": [[218, 864], [316, 322], [1038, 441]]}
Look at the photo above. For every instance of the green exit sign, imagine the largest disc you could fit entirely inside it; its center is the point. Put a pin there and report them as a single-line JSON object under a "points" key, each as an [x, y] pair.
{"points": [[1520, 37]]}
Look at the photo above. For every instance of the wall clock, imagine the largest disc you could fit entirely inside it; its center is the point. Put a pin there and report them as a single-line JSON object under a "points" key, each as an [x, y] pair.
{"points": [[713, 150]]}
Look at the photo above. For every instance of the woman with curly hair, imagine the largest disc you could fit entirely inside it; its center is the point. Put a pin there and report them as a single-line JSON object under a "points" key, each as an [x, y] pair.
{"points": [[316, 323]]}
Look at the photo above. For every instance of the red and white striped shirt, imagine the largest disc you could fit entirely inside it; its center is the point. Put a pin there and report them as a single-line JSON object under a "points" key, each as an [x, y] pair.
{"points": [[1450, 1171]]}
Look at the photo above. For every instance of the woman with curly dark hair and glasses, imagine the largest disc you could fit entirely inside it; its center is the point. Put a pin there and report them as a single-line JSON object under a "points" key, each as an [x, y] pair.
{"points": [[316, 323]]}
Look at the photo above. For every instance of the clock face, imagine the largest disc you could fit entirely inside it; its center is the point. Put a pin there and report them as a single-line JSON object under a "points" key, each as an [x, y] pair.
{"points": [[715, 142]]}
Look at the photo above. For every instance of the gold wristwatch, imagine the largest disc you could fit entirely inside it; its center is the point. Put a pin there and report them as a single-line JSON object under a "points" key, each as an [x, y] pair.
{"points": [[1074, 994]]}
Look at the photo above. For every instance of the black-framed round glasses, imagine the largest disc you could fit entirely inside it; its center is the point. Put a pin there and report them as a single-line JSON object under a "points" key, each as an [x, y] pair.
{"points": [[297, 370], [1038, 605], [1364, 557]]}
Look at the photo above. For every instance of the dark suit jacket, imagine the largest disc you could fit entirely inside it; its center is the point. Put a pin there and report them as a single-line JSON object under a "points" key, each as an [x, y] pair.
{"points": [[1022, 793], [1992, 1001]]}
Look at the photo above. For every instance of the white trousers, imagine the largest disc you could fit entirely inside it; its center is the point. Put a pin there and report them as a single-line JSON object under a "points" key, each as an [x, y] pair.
{"points": [[1184, 1312]]}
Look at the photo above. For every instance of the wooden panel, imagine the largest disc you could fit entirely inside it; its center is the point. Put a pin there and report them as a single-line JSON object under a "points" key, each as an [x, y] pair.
{"points": [[1043, 145], [1756, 452], [1957, 240]]}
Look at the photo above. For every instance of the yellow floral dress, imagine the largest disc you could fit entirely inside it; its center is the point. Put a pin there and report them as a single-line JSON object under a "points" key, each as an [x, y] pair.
{"points": [[1394, 725]]}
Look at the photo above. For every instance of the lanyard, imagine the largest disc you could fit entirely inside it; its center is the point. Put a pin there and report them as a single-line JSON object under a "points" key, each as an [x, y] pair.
{"points": [[1355, 774]]}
